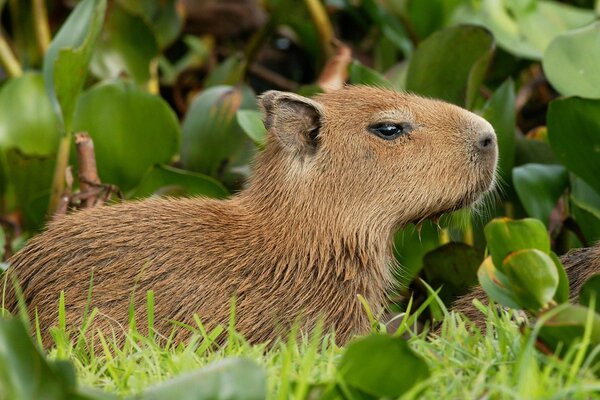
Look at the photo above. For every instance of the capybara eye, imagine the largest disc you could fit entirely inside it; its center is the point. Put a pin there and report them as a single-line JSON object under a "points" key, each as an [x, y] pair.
{"points": [[390, 131]]}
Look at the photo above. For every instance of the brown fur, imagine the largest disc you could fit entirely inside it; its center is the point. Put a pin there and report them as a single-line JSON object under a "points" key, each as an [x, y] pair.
{"points": [[580, 264], [312, 230]]}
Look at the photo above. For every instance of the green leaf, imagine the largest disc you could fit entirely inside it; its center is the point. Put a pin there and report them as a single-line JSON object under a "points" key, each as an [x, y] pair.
{"points": [[453, 265], [252, 124], [584, 196], [229, 72], [169, 181], [213, 142], [572, 60], [230, 378], [568, 326], [127, 45], [573, 126], [450, 64], [410, 247], [132, 131], [591, 288], [67, 59], [161, 16], [362, 75], [525, 31], [500, 111], [532, 277], [31, 177], [505, 236], [562, 290], [25, 373], [27, 121], [496, 285], [382, 366], [539, 187]]}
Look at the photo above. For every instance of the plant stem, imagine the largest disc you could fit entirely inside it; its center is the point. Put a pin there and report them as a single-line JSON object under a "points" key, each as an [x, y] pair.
{"points": [[40, 22], [323, 24], [8, 60], [58, 181]]}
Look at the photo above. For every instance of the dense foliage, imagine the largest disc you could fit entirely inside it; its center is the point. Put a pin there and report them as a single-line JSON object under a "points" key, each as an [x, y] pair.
{"points": [[169, 98]]}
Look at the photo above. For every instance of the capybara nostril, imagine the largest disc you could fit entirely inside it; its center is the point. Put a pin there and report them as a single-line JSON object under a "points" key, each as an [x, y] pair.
{"points": [[486, 142]]}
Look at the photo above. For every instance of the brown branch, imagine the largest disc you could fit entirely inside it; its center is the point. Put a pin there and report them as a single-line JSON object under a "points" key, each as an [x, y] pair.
{"points": [[88, 173], [273, 77]]}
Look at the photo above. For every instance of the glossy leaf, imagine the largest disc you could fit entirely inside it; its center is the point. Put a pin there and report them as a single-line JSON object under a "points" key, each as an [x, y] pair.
{"points": [[573, 126], [229, 72], [525, 28], [252, 124], [168, 181], [539, 187], [213, 142], [532, 277], [571, 62], [505, 236], [382, 366], [464, 52], [27, 121], [127, 46], [132, 130], [67, 59], [411, 246], [496, 284], [499, 110], [362, 75], [230, 378]]}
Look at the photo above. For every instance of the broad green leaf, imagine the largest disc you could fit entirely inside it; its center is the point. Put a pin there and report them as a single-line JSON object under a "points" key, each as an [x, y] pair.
{"points": [[382, 366], [568, 326], [496, 285], [25, 374], [453, 265], [532, 277], [168, 181], [230, 378], [499, 110], [562, 290], [162, 16], [31, 177], [66, 61], [574, 133], [524, 31], [585, 208], [127, 45], [591, 288], [213, 142], [572, 60], [539, 187], [534, 151], [362, 75], [505, 236], [132, 131], [450, 64], [391, 27], [27, 121], [252, 124], [584, 196]]}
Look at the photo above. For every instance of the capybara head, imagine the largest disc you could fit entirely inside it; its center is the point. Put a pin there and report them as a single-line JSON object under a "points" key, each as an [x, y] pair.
{"points": [[375, 155]]}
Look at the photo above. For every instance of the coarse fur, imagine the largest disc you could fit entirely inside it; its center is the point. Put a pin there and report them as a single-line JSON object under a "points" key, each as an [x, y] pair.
{"points": [[580, 265], [311, 232]]}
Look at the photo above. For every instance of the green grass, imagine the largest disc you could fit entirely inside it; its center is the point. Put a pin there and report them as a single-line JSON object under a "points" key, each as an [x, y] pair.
{"points": [[464, 362]]}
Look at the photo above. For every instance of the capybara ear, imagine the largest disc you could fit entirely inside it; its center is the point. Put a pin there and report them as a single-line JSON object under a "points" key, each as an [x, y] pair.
{"points": [[294, 120]]}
